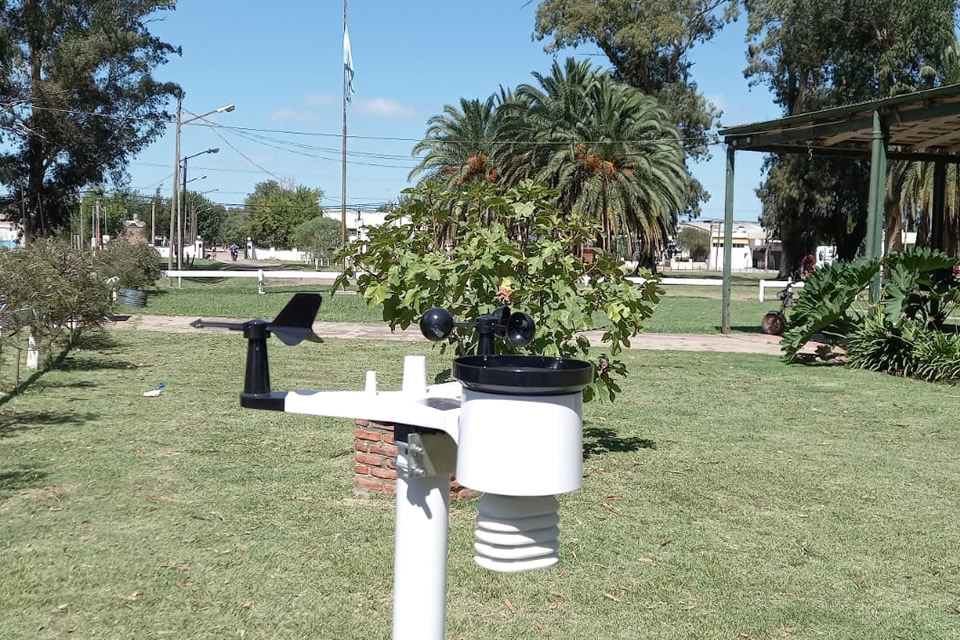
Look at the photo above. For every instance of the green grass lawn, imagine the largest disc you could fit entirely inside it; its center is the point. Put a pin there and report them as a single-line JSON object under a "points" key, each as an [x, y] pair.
{"points": [[683, 309], [724, 497]]}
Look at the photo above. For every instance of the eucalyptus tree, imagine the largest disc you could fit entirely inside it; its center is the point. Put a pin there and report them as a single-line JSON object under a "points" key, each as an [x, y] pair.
{"points": [[815, 54], [80, 97]]}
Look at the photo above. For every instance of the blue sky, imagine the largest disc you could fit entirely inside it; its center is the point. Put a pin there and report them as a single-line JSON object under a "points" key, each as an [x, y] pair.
{"points": [[280, 62]]}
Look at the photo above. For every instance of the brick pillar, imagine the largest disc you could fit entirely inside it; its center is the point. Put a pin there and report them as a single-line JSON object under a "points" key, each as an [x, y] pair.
{"points": [[375, 458]]}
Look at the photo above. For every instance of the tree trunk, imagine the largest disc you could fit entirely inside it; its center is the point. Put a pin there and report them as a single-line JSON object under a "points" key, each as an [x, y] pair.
{"points": [[35, 151], [893, 231], [606, 218], [923, 226]]}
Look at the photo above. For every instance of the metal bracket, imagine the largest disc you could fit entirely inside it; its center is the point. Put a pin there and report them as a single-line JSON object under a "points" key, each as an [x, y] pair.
{"points": [[426, 454]]}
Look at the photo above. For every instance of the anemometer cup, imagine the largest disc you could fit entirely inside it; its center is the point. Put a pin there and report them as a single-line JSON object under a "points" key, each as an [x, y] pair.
{"points": [[518, 328], [436, 324]]}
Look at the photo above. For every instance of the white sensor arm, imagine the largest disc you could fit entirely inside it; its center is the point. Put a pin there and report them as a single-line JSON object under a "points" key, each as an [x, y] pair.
{"points": [[439, 409]]}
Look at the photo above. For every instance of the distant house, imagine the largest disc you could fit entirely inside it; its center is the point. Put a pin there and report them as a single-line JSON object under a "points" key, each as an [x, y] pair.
{"points": [[358, 221], [752, 246], [10, 232]]}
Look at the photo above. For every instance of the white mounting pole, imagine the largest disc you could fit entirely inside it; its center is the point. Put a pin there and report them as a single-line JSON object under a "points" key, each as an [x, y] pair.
{"points": [[420, 560], [424, 464]]}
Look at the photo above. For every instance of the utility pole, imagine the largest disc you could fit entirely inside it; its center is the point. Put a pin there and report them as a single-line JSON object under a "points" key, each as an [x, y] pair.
{"points": [[24, 222], [96, 217], [183, 195], [175, 200], [343, 171], [153, 222], [81, 226]]}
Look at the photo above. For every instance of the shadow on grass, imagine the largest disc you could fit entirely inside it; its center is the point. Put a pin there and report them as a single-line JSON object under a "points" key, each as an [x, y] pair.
{"points": [[600, 440], [84, 363], [15, 422], [80, 384], [98, 341], [811, 360], [23, 477]]}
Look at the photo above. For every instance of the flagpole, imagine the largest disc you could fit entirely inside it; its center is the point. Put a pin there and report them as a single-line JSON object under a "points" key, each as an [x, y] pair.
{"points": [[343, 170]]}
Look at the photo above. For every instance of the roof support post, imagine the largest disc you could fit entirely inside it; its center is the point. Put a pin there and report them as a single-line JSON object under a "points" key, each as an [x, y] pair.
{"points": [[939, 202], [728, 242], [878, 188]]}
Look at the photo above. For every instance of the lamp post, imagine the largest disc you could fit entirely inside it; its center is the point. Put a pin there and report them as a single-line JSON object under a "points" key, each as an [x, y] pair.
{"points": [[191, 227], [199, 208], [175, 201]]}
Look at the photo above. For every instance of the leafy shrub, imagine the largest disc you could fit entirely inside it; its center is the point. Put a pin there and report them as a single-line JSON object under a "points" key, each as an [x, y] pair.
{"points": [[696, 242], [902, 333], [919, 285], [52, 291], [876, 345], [823, 303], [515, 248], [913, 348], [134, 265], [320, 237]]}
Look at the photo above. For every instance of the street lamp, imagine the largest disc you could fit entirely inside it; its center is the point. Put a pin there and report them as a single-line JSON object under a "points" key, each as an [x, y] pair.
{"points": [[175, 202], [202, 207], [191, 227]]}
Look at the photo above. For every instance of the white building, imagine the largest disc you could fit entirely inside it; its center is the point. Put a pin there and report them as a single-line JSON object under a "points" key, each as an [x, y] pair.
{"points": [[358, 221], [753, 248], [9, 233]]}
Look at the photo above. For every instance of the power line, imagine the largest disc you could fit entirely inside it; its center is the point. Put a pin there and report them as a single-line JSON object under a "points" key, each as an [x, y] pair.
{"points": [[440, 140], [115, 116], [245, 157], [203, 122], [319, 157]]}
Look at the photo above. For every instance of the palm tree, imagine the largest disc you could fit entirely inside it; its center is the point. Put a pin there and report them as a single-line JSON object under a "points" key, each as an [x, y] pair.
{"points": [[610, 151], [458, 145], [910, 185], [916, 199]]}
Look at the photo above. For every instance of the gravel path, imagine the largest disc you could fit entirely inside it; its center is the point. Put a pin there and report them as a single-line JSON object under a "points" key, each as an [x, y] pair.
{"points": [[734, 343]]}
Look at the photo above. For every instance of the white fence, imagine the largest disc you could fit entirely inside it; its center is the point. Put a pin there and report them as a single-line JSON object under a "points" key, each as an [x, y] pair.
{"points": [[329, 276], [260, 274], [776, 284], [259, 253]]}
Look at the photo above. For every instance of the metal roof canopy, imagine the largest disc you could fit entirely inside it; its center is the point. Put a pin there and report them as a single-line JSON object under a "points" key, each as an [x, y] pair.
{"points": [[921, 126]]}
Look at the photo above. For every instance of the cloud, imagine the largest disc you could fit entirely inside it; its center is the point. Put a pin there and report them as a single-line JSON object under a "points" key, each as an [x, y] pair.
{"points": [[719, 101], [292, 115], [319, 100], [385, 108]]}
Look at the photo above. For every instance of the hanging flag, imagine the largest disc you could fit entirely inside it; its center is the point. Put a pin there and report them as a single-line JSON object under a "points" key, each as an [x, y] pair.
{"points": [[347, 65]]}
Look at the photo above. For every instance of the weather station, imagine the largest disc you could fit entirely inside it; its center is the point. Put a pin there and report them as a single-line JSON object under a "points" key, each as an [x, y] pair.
{"points": [[481, 426]]}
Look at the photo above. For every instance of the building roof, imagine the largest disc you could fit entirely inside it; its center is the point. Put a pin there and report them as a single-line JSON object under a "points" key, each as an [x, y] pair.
{"points": [[924, 125], [752, 228]]}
